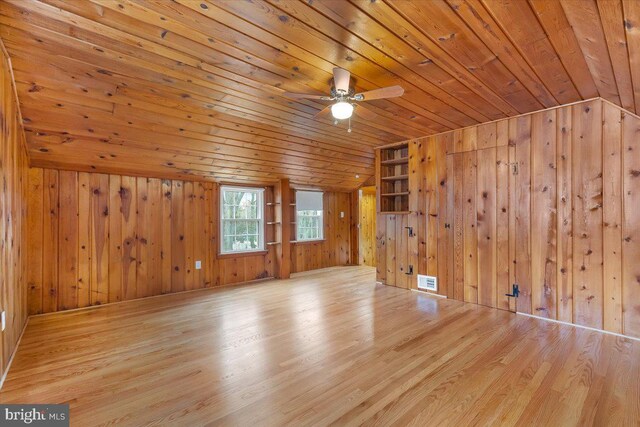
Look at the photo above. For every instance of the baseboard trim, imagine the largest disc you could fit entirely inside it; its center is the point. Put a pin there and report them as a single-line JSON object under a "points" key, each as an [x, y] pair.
{"points": [[579, 326], [91, 307], [430, 293], [15, 350]]}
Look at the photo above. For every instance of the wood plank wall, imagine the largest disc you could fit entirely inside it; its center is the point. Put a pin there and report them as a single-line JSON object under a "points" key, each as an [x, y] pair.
{"points": [[100, 238], [334, 250], [13, 172], [547, 200]]}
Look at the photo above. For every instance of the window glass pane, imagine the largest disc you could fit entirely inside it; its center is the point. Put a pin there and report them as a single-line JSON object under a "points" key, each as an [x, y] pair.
{"points": [[241, 219], [227, 211], [227, 228], [253, 239], [239, 228], [228, 243], [309, 208], [241, 243], [241, 210]]}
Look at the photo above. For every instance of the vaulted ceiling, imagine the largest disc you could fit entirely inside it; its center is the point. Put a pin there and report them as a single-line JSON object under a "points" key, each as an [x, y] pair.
{"points": [[188, 88]]}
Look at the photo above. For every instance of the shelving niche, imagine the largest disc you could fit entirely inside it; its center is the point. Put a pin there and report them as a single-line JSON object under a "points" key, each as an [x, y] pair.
{"points": [[393, 180]]}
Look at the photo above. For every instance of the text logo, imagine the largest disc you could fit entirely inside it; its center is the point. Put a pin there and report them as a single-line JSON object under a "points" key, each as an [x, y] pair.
{"points": [[34, 415]]}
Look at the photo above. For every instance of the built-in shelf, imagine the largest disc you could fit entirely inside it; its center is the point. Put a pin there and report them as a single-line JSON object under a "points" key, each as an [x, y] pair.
{"points": [[273, 203], [273, 222], [292, 204], [395, 213], [403, 193], [395, 178], [395, 161], [272, 243]]}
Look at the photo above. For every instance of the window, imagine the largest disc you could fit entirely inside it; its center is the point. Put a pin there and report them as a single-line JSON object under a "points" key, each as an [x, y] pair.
{"points": [[241, 219], [309, 215]]}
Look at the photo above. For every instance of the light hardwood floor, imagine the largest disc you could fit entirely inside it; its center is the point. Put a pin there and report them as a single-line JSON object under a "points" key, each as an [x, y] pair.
{"points": [[326, 347]]}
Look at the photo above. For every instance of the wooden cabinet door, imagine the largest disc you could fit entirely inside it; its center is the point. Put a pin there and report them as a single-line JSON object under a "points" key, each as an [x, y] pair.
{"points": [[394, 266]]}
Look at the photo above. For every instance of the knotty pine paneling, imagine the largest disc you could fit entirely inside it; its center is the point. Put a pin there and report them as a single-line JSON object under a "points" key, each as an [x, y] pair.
{"points": [[105, 104], [109, 238], [546, 200], [334, 249], [13, 221], [112, 238]]}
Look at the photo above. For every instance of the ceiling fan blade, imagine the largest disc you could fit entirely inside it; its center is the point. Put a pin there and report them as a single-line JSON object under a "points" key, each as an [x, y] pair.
{"points": [[305, 96], [341, 79], [364, 113], [385, 92], [326, 110]]}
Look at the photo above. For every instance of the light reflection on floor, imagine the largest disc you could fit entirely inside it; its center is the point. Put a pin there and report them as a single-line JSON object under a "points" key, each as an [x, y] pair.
{"points": [[427, 303]]}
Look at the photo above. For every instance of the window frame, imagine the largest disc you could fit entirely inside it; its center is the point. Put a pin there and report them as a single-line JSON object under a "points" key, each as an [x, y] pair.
{"points": [[320, 238], [262, 231]]}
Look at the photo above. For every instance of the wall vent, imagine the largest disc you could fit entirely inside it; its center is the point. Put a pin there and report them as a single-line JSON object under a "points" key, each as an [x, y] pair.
{"points": [[428, 283]]}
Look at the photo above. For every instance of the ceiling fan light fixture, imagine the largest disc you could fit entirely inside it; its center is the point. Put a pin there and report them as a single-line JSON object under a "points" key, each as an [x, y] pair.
{"points": [[341, 110]]}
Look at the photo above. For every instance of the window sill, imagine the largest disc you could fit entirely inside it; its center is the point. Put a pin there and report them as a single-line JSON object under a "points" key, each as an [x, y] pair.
{"points": [[304, 242], [242, 254]]}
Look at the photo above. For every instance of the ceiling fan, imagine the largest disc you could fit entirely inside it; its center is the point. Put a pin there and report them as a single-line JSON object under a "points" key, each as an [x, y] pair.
{"points": [[346, 100]]}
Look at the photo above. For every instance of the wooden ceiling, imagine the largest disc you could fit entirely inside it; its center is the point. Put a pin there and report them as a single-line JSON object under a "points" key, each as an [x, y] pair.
{"points": [[193, 89]]}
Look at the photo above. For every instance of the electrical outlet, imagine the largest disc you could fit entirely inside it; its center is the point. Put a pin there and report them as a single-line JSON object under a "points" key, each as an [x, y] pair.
{"points": [[341, 214], [198, 265], [4, 320]]}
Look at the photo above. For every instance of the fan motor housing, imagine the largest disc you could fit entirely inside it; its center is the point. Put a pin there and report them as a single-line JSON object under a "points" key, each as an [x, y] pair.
{"points": [[335, 94]]}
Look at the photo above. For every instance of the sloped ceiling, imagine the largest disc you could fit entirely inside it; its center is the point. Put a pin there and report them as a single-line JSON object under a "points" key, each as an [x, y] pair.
{"points": [[189, 88]]}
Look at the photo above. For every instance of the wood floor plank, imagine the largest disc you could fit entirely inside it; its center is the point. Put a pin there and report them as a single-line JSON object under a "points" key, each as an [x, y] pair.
{"points": [[324, 347]]}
